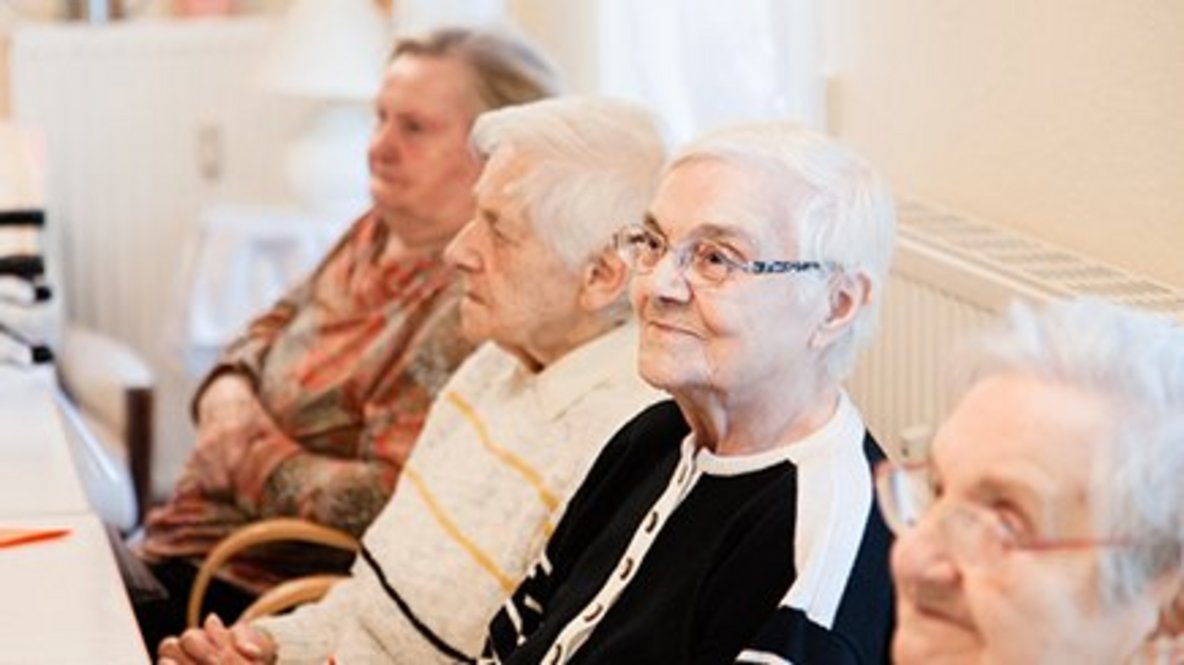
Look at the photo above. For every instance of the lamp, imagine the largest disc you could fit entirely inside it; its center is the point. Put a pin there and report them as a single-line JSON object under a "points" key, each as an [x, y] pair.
{"points": [[330, 53]]}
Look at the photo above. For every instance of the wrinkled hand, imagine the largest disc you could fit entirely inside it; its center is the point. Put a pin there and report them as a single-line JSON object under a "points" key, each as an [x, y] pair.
{"points": [[215, 644], [230, 415], [228, 400]]}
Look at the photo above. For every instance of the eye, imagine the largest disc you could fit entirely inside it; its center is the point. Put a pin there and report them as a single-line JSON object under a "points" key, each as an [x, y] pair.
{"points": [[936, 488], [650, 242], [412, 126], [713, 255], [716, 257], [493, 225], [1011, 522]]}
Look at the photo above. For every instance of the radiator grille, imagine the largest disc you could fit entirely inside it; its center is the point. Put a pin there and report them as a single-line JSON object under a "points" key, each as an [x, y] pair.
{"points": [[145, 124], [953, 275]]}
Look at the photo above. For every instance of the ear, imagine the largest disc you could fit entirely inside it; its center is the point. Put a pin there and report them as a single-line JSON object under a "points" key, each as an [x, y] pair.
{"points": [[603, 281], [1169, 591], [849, 295]]}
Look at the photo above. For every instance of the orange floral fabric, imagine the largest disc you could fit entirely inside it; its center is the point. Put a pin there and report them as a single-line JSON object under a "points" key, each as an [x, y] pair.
{"points": [[345, 367]]}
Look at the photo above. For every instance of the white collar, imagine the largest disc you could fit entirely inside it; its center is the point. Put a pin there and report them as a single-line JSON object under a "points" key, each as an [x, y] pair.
{"points": [[844, 425], [601, 360]]}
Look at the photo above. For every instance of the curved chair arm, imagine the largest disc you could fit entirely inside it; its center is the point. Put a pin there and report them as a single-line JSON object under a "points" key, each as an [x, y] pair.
{"points": [[290, 594], [113, 388], [266, 531]]}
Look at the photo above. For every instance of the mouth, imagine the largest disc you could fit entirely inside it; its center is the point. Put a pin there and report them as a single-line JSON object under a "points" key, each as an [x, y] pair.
{"points": [[384, 176], [666, 328], [942, 616]]}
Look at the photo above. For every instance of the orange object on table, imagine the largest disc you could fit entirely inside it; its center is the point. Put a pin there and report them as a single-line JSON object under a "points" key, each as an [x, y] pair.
{"points": [[10, 537]]}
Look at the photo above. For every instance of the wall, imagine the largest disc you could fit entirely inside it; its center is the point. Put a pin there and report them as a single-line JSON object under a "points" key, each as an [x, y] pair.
{"points": [[567, 30], [4, 85], [31, 11], [1059, 118]]}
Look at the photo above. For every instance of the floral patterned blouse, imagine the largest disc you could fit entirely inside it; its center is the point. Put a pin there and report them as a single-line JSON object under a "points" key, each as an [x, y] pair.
{"points": [[346, 366]]}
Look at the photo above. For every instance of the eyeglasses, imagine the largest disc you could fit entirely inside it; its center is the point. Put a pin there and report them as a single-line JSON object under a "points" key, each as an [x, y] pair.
{"points": [[702, 261], [974, 535]]}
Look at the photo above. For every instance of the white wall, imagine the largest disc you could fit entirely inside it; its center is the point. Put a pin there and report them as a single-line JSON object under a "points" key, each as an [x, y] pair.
{"points": [[567, 30], [1062, 119], [4, 84], [10, 15]]}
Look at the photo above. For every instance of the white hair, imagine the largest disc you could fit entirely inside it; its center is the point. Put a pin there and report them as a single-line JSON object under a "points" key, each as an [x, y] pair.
{"points": [[837, 207], [1134, 362], [594, 165]]}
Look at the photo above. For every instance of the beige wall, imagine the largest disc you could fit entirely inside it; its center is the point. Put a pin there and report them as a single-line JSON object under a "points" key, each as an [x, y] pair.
{"points": [[567, 29], [1064, 120], [32, 11], [4, 76]]}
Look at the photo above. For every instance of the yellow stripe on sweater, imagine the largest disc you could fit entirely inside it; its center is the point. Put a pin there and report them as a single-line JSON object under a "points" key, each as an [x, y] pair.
{"points": [[534, 478], [479, 556]]}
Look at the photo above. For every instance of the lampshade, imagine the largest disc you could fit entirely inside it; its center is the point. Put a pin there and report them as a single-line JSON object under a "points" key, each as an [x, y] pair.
{"points": [[328, 49]]}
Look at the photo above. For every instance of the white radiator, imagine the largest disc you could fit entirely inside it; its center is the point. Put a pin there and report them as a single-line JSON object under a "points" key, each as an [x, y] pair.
{"points": [[954, 275]]}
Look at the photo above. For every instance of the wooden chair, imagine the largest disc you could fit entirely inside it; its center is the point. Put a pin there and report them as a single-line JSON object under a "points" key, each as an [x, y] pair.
{"points": [[288, 594]]}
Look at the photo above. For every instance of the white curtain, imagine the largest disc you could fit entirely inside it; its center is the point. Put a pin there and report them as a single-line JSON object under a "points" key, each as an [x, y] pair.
{"points": [[704, 63]]}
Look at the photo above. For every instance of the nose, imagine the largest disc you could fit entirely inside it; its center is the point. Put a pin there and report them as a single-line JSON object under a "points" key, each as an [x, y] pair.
{"points": [[459, 253], [921, 565], [667, 280], [384, 142]]}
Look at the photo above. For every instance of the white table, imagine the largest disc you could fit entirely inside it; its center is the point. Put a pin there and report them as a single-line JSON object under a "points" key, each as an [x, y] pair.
{"points": [[61, 600], [37, 473]]}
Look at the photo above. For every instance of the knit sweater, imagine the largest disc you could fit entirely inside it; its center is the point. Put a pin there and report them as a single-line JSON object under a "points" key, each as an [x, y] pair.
{"points": [[501, 452]]}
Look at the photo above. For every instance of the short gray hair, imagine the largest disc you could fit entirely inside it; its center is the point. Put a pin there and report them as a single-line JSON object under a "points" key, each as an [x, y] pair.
{"points": [[840, 208], [594, 166], [508, 69], [1134, 361]]}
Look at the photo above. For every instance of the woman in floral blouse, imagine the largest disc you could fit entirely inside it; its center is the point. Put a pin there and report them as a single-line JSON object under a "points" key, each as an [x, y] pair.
{"points": [[312, 412]]}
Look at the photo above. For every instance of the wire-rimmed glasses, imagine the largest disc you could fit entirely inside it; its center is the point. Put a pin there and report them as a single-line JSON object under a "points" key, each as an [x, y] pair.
{"points": [[974, 535], [702, 261]]}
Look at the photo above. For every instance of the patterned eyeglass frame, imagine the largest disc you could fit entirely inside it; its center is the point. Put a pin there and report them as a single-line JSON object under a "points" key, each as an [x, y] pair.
{"points": [[626, 239]]}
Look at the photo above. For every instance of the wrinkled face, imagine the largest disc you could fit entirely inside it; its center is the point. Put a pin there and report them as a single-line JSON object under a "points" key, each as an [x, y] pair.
{"points": [[518, 292], [1021, 447], [748, 333], [421, 168]]}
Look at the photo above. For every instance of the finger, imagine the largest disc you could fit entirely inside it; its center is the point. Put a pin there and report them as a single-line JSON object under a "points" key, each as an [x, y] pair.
{"points": [[170, 648], [248, 641], [217, 631], [196, 646]]}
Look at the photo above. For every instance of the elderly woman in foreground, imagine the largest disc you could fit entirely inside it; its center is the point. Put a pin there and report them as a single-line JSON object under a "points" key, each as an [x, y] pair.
{"points": [[739, 516], [1048, 524]]}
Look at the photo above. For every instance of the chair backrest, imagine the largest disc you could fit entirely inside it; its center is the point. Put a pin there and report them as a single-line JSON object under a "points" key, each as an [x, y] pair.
{"points": [[266, 531]]}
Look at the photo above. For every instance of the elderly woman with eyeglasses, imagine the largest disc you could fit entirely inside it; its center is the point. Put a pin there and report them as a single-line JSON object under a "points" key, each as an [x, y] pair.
{"points": [[1047, 525], [735, 521]]}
